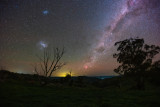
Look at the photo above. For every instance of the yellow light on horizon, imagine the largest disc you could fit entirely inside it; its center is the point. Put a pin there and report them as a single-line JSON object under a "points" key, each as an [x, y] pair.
{"points": [[63, 74]]}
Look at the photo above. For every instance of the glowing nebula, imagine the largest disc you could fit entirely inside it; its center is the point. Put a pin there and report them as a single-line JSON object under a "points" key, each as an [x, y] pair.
{"points": [[43, 44], [85, 67], [45, 12]]}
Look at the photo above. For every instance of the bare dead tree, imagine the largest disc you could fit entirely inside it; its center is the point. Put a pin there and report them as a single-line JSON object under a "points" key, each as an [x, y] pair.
{"points": [[50, 61]]}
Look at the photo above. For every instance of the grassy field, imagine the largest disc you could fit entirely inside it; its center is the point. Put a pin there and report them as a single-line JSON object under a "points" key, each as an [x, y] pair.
{"points": [[25, 94]]}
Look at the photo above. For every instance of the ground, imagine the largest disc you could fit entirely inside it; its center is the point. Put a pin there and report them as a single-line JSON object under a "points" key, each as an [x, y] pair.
{"points": [[27, 94]]}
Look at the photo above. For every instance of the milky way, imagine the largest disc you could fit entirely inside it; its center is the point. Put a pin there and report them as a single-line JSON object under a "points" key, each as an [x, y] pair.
{"points": [[130, 9], [87, 29]]}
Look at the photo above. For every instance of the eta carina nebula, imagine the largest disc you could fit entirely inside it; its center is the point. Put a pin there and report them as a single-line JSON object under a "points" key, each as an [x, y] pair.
{"points": [[130, 9]]}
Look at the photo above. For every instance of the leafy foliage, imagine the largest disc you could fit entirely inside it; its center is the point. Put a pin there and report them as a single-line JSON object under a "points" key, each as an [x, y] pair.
{"points": [[135, 56], [155, 72]]}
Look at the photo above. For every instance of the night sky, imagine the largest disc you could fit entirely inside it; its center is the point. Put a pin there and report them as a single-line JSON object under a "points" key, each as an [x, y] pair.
{"points": [[87, 29]]}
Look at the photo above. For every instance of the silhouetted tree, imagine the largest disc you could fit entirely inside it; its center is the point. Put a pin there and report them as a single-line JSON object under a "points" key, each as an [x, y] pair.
{"points": [[156, 67], [50, 61], [155, 72], [68, 76], [135, 57]]}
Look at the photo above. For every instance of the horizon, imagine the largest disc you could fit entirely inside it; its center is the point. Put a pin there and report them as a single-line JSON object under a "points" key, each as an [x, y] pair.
{"points": [[63, 75]]}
